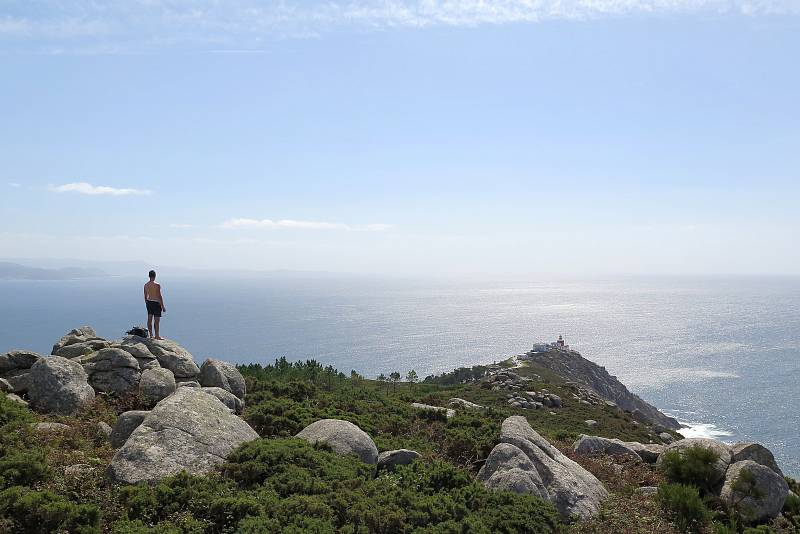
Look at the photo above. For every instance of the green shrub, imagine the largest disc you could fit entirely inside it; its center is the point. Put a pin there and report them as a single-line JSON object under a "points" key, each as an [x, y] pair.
{"points": [[684, 505], [694, 466], [792, 504], [13, 412], [22, 468], [43, 512], [278, 418], [760, 529]]}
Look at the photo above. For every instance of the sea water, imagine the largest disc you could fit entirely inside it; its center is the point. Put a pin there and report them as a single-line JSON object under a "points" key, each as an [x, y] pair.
{"points": [[720, 354]]}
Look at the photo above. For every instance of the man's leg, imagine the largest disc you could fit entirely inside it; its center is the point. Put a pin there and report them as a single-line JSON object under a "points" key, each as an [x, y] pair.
{"points": [[158, 323], [150, 324]]}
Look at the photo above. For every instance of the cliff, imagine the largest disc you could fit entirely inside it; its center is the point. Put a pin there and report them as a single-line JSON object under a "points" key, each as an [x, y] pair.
{"points": [[571, 366]]}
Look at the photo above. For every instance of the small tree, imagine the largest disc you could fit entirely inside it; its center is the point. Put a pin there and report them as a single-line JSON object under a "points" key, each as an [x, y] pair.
{"points": [[412, 377], [395, 378], [354, 377], [382, 378]]}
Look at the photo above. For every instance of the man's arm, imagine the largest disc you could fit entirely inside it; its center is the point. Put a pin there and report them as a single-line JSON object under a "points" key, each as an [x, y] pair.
{"points": [[161, 298], [145, 293]]}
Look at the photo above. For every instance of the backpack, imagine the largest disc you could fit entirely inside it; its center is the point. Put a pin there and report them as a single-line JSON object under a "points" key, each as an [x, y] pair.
{"points": [[138, 331]]}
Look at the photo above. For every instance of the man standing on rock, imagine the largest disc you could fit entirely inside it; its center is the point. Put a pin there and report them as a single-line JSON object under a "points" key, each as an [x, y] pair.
{"points": [[155, 304]]}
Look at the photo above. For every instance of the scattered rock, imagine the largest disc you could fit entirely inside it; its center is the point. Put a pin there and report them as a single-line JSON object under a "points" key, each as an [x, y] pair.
{"points": [[591, 423], [572, 489], [76, 335], [104, 428], [51, 427], [649, 452], [156, 384], [189, 430], [216, 373], [461, 403], [722, 451], [756, 452], [389, 459], [759, 499], [111, 370], [343, 437], [647, 490], [16, 398], [598, 445], [15, 368], [666, 437], [82, 348], [78, 470], [5, 386], [227, 398], [187, 383], [169, 355], [59, 385], [449, 412], [126, 423], [19, 380]]}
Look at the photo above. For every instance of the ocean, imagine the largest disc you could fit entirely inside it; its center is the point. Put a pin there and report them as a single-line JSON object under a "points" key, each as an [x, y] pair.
{"points": [[720, 354]]}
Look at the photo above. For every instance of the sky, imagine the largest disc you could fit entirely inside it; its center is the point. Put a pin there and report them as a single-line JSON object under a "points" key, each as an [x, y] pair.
{"points": [[480, 138]]}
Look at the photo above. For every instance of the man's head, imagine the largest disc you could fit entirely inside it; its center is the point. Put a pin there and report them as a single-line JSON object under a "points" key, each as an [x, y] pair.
{"points": [[152, 275]]}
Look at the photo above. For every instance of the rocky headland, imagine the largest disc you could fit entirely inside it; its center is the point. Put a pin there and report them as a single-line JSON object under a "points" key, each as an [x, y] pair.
{"points": [[560, 440]]}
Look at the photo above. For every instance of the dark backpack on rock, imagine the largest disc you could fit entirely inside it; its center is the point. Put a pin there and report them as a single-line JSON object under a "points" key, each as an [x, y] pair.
{"points": [[138, 331]]}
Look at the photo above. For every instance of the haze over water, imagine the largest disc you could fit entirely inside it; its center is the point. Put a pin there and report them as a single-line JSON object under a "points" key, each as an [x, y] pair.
{"points": [[722, 354]]}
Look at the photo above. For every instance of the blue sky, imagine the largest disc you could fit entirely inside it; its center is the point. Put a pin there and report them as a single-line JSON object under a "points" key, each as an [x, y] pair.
{"points": [[452, 137]]}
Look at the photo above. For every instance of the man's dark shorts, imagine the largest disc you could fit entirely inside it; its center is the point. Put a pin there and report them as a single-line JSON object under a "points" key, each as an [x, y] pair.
{"points": [[153, 308]]}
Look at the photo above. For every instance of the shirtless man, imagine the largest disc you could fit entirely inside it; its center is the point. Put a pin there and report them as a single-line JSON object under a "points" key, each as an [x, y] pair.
{"points": [[155, 304]]}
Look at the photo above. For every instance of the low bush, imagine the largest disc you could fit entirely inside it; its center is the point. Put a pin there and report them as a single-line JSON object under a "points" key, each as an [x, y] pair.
{"points": [[684, 505], [693, 466], [22, 468], [43, 512]]}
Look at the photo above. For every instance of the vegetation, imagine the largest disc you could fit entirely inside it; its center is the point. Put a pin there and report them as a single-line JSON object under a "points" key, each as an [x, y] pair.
{"points": [[693, 466], [281, 484]]}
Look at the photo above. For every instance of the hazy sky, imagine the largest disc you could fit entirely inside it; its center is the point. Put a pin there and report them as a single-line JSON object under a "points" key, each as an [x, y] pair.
{"points": [[445, 137]]}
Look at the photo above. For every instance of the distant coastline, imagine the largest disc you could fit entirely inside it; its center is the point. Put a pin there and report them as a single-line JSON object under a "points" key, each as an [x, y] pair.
{"points": [[16, 271]]}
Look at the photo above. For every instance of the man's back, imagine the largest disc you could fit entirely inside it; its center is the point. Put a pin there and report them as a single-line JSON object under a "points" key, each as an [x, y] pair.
{"points": [[152, 291]]}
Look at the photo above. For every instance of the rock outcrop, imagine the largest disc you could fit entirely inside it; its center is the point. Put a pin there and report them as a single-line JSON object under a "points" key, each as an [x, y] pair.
{"points": [[189, 430], [15, 369], [598, 445], [59, 385], [76, 335], [227, 398], [525, 460], [448, 412], [156, 383], [461, 403], [573, 367], [219, 374], [170, 355], [756, 452], [146, 359], [755, 490], [126, 423], [111, 370], [343, 437]]}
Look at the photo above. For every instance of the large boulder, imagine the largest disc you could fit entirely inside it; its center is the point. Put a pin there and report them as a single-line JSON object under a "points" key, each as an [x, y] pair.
{"points": [[15, 368], [462, 403], [756, 452], [59, 385], [448, 412], [508, 468], [722, 451], [755, 490], [599, 445], [111, 370], [227, 398], [156, 384], [390, 459], [649, 452], [126, 423], [572, 489], [343, 437], [169, 354], [189, 430], [219, 374]]}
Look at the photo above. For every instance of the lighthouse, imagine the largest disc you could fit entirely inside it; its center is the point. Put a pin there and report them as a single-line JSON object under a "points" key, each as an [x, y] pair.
{"points": [[560, 342]]}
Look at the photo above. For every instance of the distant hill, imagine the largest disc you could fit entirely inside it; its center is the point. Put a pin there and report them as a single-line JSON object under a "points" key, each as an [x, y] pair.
{"points": [[15, 271]]}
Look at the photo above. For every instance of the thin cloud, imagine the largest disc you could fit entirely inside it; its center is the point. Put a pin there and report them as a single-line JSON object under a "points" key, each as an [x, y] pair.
{"points": [[244, 223], [15, 185], [242, 26], [86, 188], [182, 225]]}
